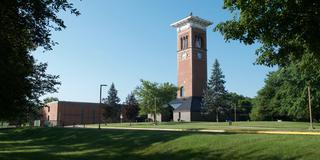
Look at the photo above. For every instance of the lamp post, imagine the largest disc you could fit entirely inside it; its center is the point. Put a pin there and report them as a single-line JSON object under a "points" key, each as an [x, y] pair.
{"points": [[101, 85]]}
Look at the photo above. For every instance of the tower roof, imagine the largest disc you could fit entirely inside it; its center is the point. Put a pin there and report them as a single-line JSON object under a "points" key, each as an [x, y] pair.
{"points": [[193, 21], [186, 104]]}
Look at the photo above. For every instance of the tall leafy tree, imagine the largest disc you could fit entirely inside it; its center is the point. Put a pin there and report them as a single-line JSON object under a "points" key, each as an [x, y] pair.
{"points": [[152, 97], [284, 96], [287, 30], [112, 107], [25, 26], [131, 108], [267, 103], [215, 95]]}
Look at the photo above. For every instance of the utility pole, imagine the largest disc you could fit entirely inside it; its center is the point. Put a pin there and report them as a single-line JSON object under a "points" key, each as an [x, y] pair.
{"points": [[235, 113], [310, 110], [155, 111]]}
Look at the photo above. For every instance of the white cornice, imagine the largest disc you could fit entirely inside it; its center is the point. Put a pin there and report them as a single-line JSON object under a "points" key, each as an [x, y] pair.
{"points": [[191, 21]]}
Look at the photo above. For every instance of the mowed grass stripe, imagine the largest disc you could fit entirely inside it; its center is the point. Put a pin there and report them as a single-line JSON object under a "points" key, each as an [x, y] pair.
{"points": [[250, 127], [215, 131], [67, 143]]}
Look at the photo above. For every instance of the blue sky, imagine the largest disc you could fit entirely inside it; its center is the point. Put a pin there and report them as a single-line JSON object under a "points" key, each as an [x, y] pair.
{"points": [[123, 41]]}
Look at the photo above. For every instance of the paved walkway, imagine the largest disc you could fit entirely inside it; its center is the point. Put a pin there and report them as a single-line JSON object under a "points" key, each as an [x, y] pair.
{"points": [[216, 131]]}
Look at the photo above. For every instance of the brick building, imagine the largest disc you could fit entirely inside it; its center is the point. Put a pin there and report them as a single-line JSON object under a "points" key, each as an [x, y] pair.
{"points": [[62, 113], [192, 67]]}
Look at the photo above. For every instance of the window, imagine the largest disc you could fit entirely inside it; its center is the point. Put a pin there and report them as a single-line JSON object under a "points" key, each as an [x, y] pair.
{"points": [[198, 41], [48, 109], [182, 91], [184, 42], [48, 118]]}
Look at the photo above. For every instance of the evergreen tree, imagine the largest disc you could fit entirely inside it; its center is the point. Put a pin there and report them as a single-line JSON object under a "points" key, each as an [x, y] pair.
{"points": [[112, 99], [214, 97], [112, 109], [131, 100], [131, 108]]}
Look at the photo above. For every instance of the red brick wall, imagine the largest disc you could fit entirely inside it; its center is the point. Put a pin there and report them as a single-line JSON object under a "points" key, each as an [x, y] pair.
{"points": [[192, 72], [69, 113], [50, 112]]}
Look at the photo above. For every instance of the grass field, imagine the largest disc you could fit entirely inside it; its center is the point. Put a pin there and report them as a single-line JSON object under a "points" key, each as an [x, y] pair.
{"points": [[72, 143], [278, 126]]}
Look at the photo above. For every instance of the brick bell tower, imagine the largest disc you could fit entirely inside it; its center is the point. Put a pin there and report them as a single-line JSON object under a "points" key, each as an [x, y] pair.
{"points": [[191, 55], [192, 63]]}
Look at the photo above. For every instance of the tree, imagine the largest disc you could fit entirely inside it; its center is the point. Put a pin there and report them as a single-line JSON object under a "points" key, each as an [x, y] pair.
{"points": [[131, 108], [112, 99], [152, 97], [50, 99], [25, 26], [215, 95], [112, 107], [287, 30], [266, 105], [284, 95], [240, 106]]}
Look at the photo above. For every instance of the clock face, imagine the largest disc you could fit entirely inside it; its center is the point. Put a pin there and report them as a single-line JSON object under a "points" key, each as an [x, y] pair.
{"points": [[184, 55], [199, 55]]}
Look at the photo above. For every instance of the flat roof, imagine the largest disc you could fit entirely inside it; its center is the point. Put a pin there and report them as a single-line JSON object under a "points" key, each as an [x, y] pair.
{"points": [[191, 19]]}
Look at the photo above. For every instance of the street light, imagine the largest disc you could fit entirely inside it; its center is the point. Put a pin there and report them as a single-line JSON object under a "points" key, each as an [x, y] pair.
{"points": [[101, 85]]}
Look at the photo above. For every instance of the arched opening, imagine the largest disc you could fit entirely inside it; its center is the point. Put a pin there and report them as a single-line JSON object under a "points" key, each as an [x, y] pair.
{"points": [[198, 41], [186, 42], [182, 91]]}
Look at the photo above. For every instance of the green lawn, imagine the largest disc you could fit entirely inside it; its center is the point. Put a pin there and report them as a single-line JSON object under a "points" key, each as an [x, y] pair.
{"points": [[279, 126], [70, 143]]}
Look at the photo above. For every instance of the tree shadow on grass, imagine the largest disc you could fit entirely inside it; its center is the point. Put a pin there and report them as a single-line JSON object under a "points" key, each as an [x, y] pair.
{"points": [[214, 154], [63, 143], [59, 143]]}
